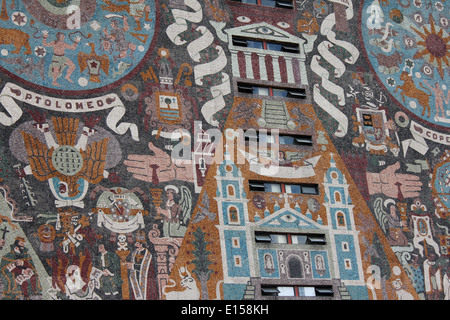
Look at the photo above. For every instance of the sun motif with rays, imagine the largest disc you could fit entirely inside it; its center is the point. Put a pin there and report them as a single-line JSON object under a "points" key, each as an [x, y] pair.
{"points": [[433, 46]]}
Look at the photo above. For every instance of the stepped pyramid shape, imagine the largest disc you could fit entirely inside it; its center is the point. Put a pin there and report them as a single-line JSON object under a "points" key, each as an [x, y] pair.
{"points": [[224, 150], [345, 261]]}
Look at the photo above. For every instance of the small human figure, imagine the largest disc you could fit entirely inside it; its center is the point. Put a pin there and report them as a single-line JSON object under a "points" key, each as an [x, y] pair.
{"points": [[141, 271], [117, 36], [282, 160], [171, 212], [19, 274], [439, 97], [395, 236], [432, 272], [59, 59], [109, 264]]}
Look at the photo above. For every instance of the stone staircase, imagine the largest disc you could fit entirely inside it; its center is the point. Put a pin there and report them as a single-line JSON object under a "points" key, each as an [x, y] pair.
{"points": [[274, 114], [249, 291], [345, 295]]}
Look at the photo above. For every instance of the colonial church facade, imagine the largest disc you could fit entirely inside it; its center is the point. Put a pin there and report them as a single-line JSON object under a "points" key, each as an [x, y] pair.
{"points": [[286, 252]]}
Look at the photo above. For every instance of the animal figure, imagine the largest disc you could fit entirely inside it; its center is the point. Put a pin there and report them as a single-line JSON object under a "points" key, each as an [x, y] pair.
{"points": [[409, 89], [113, 7], [27, 66], [389, 64], [121, 67], [188, 282], [17, 38], [400, 291]]}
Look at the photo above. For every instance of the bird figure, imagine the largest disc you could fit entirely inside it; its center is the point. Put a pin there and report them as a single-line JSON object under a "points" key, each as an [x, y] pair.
{"points": [[68, 165], [93, 63]]}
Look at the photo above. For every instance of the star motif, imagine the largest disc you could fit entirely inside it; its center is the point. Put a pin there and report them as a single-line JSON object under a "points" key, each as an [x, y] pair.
{"points": [[439, 6], [391, 81], [18, 18], [409, 63], [40, 51]]}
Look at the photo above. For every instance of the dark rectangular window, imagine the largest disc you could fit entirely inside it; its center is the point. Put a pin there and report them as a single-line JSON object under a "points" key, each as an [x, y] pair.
{"points": [[316, 239], [294, 93], [265, 44], [302, 140], [286, 139], [277, 187], [270, 291], [285, 4], [309, 189], [296, 291], [324, 291], [290, 238], [257, 186], [264, 186], [245, 88], [263, 237]]}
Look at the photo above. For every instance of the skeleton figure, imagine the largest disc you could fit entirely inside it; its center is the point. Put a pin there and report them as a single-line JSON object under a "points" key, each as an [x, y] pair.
{"points": [[122, 244]]}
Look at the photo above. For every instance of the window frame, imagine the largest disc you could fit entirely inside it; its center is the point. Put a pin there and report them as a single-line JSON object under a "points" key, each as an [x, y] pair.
{"points": [[291, 93], [281, 4], [258, 185], [269, 237], [268, 45], [297, 139], [319, 290]]}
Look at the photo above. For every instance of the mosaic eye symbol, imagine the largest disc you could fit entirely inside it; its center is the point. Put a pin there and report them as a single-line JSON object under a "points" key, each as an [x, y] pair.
{"points": [[244, 19], [265, 31], [288, 218], [283, 24]]}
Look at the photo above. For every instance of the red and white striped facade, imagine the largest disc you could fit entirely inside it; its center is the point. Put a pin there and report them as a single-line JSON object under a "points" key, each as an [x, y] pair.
{"points": [[267, 65]]}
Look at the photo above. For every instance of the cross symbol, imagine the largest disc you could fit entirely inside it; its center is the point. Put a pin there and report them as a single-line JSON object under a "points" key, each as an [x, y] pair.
{"points": [[4, 232]]}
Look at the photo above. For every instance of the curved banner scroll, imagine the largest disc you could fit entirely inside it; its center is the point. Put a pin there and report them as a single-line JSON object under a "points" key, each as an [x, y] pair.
{"points": [[12, 93]]}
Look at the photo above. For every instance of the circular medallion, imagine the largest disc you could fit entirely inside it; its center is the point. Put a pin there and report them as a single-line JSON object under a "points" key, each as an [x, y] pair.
{"points": [[76, 46], [46, 233], [440, 185], [67, 160], [408, 50], [120, 210]]}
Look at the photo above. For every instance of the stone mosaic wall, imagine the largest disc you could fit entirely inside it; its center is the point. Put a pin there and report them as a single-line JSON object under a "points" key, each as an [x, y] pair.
{"points": [[136, 165]]}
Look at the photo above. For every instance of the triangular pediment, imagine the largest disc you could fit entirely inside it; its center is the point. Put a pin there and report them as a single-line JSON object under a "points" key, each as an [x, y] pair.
{"points": [[288, 218], [266, 31]]}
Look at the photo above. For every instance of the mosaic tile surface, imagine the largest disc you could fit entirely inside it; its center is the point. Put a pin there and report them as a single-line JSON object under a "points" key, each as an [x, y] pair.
{"points": [[127, 171]]}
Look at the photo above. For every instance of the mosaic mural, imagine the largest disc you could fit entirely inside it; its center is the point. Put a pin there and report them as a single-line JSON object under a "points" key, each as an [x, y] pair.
{"points": [[215, 150]]}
